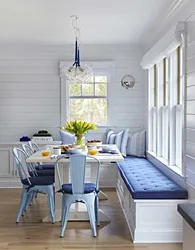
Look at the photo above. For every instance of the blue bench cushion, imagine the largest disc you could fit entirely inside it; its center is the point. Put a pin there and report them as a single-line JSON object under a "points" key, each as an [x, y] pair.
{"points": [[145, 181]]}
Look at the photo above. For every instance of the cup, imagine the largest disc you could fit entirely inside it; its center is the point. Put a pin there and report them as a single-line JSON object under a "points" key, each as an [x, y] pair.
{"points": [[57, 151]]}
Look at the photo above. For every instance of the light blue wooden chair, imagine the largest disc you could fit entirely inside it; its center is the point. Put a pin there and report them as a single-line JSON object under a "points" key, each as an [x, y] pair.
{"points": [[79, 191], [35, 148], [32, 185]]}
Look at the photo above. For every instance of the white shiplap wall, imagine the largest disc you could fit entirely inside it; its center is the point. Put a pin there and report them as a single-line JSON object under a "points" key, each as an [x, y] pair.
{"points": [[30, 87], [190, 107]]}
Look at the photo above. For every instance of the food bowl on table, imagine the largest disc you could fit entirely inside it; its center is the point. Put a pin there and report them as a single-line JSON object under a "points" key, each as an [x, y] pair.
{"points": [[75, 151], [107, 148], [45, 153], [95, 143]]}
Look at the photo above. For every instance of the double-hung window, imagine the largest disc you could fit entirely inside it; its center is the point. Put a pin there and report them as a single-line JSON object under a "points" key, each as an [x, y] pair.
{"points": [[88, 101], [165, 130]]}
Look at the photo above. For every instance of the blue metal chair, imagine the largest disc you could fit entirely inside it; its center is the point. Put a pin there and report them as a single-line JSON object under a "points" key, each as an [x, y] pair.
{"points": [[38, 168], [35, 148], [79, 191], [32, 185]]}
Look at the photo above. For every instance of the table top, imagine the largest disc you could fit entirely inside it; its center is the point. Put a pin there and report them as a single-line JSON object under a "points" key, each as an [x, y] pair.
{"points": [[103, 157], [187, 211]]}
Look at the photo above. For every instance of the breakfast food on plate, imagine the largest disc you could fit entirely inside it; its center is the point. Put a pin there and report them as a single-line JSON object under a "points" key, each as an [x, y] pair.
{"points": [[94, 143], [66, 148]]}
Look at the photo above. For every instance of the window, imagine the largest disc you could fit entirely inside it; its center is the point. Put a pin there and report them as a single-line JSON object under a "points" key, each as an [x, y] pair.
{"points": [[89, 101], [166, 109]]}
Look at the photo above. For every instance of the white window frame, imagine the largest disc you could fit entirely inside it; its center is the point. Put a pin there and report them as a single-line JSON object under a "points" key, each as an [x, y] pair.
{"points": [[101, 68], [176, 114]]}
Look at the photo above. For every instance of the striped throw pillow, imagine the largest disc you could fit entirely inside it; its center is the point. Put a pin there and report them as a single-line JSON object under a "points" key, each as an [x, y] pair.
{"points": [[136, 144], [120, 139]]}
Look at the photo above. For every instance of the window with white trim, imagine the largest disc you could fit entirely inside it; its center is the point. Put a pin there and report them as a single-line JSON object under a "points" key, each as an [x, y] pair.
{"points": [[88, 101], [166, 109]]}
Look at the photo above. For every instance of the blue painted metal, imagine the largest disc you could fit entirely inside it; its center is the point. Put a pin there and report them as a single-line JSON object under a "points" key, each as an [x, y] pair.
{"points": [[30, 190], [77, 171]]}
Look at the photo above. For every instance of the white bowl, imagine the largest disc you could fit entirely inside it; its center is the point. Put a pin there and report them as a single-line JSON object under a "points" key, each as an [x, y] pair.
{"points": [[107, 148], [75, 150]]}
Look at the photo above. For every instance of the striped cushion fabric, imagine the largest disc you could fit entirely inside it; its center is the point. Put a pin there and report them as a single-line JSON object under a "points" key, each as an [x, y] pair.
{"points": [[120, 139], [136, 144]]}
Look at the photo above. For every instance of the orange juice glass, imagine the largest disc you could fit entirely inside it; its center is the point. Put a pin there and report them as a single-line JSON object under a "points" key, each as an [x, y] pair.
{"points": [[93, 151], [45, 153]]}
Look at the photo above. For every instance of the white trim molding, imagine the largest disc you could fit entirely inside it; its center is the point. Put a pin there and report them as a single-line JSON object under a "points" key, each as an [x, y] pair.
{"points": [[164, 47]]}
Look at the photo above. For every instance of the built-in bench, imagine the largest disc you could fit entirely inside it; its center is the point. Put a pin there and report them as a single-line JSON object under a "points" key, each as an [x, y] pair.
{"points": [[149, 200]]}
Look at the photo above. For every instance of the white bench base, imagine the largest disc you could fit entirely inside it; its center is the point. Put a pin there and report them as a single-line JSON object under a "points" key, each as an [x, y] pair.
{"points": [[151, 221]]}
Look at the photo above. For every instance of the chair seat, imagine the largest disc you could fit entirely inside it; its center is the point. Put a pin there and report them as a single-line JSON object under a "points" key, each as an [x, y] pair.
{"points": [[39, 181], [46, 166], [89, 188], [44, 172]]}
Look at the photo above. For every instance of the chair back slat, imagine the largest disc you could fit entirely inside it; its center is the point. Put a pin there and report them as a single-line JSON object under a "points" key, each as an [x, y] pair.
{"points": [[31, 165], [17, 152], [34, 147], [77, 173]]}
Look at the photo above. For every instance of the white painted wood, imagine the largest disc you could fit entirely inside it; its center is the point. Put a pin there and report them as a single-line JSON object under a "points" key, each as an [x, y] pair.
{"points": [[188, 236], [151, 221]]}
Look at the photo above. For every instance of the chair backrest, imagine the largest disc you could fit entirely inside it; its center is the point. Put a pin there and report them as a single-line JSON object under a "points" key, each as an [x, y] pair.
{"points": [[31, 165], [77, 172], [17, 152], [34, 147], [27, 149]]}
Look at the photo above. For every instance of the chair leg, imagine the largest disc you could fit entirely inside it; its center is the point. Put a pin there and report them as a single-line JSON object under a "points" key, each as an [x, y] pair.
{"points": [[65, 213], [91, 212], [28, 201], [50, 197], [22, 204], [97, 211]]}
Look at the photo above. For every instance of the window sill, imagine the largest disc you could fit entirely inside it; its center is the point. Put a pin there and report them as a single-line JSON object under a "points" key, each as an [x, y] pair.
{"points": [[174, 168]]}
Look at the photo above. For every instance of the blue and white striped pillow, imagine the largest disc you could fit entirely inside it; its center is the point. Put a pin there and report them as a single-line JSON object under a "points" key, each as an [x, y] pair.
{"points": [[136, 145], [120, 139]]}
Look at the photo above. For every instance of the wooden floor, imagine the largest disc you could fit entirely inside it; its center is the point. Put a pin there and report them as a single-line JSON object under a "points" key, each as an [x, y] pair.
{"points": [[32, 234]]}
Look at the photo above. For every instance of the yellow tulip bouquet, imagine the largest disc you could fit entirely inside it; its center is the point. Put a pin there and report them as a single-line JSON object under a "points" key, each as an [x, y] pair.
{"points": [[78, 128]]}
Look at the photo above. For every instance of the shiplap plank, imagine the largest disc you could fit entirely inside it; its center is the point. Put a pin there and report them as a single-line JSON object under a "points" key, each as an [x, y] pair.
{"points": [[191, 64], [190, 163], [191, 79], [190, 106], [190, 177], [29, 86], [28, 71], [190, 92], [30, 94], [190, 135], [29, 109], [10, 101], [190, 121], [50, 117], [29, 63], [190, 149], [29, 78]]}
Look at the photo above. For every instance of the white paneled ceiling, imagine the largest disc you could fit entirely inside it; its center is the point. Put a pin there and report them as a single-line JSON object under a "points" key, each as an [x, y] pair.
{"points": [[101, 21]]}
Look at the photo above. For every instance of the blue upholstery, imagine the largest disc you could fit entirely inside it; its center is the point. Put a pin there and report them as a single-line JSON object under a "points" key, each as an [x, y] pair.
{"points": [[145, 181], [66, 137], [89, 188], [39, 181], [48, 166], [43, 172]]}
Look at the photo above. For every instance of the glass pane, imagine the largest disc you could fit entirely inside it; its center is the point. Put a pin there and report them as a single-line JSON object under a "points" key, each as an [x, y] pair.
{"points": [[100, 89], [90, 110], [100, 78], [87, 89], [74, 89]]}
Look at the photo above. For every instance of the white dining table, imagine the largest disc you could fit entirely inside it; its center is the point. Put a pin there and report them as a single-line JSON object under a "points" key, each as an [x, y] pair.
{"points": [[78, 211]]}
